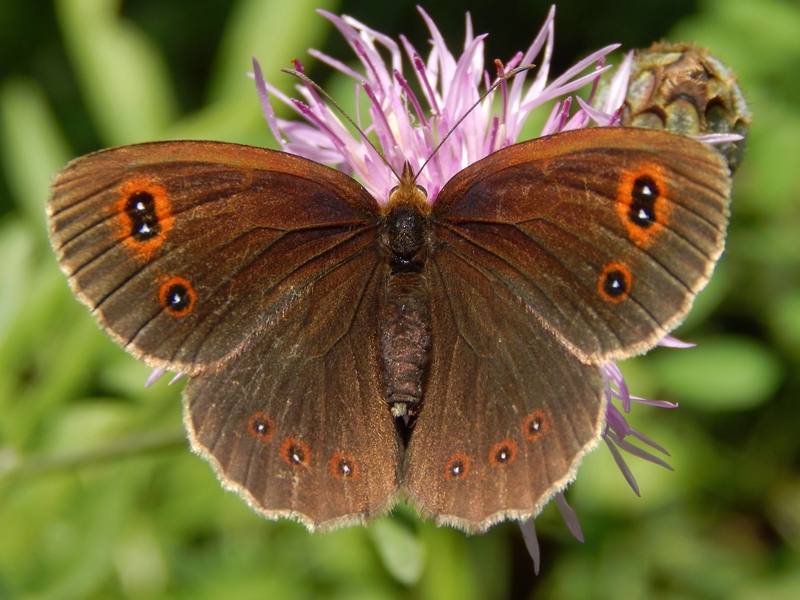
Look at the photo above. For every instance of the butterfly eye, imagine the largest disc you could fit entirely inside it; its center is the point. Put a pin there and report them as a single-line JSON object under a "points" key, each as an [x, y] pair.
{"points": [[422, 190], [394, 189]]}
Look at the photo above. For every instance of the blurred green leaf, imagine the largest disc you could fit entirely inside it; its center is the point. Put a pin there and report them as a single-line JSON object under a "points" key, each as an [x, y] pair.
{"points": [[123, 76], [447, 574], [256, 30], [33, 148], [723, 373], [785, 320], [402, 554]]}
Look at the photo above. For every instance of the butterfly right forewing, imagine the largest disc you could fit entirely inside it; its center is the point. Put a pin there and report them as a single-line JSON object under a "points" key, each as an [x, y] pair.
{"points": [[606, 234]]}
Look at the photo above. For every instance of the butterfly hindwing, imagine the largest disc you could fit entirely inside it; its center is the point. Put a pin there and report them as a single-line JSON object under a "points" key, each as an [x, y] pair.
{"points": [[525, 409], [299, 430]]}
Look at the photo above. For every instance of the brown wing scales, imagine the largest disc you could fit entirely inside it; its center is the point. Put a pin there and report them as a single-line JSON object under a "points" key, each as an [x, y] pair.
{"points": [[525, 409], [183, 257]]}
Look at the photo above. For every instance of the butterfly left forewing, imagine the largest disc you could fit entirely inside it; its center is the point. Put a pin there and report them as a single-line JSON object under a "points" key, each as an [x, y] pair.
{"points": [[525, 408], [186, 250]]}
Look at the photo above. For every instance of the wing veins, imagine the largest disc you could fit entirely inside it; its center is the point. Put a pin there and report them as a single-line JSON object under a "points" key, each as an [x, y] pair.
{"points": [[242, 268], [523, 276]]}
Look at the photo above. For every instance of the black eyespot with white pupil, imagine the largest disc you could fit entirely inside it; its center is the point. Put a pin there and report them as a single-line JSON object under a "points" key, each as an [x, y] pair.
{"points": [[502, 454], [141, 210], [458, 467], [615, 283], [345, 468], [534, 426], [297, 454], [643, 199], [261, 426], [179, 298]]}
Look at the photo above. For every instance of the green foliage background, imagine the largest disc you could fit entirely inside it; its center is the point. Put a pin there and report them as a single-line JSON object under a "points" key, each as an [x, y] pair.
{"points": [[99, 495]]}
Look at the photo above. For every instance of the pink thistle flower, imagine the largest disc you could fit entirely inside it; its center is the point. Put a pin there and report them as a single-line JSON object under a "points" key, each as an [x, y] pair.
{"points": [[450, 87], [409, 126]]}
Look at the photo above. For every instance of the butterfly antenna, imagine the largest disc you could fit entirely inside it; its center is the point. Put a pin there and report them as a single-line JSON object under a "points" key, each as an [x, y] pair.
{"points": [[308, 81], [494, 86]]}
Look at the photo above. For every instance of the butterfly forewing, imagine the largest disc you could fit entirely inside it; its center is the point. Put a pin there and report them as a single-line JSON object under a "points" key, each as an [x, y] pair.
{"points": [[186, 250], [604, 235]]}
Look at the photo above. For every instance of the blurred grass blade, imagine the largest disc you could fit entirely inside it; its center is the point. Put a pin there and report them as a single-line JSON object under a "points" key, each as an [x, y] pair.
{"points": [[33, 148], [123, 76], [399, 549], [275, 32]]}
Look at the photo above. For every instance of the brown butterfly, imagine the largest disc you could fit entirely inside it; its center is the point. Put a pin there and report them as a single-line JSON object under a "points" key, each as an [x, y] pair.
{"points": [[343, 355]]}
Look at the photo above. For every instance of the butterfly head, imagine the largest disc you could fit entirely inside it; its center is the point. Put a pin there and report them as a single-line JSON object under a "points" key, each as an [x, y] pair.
{"points": [[408, 194], [406, 218]]}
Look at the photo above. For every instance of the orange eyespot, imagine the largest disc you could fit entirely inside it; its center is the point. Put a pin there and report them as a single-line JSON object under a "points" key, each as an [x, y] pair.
{"points": [[261, 426], [642, 204], [535, 426], [344, 467], [144, 216], [503, 453], [177, 296], [614, 284], [458, 467], [295, 453]]}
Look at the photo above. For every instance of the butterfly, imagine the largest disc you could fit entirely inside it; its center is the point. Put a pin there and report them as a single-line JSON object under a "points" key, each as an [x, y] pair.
{"points": [[344, 354]]}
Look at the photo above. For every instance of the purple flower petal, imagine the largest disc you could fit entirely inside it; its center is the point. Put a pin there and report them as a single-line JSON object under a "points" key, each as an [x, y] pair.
{"points": [[671, 342], [569, 516], [531, 542], [155, 375]]}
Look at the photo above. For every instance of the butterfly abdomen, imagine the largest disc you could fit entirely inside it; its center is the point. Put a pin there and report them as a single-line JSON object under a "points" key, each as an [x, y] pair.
{"points": [[405, 319], [405, 340]]}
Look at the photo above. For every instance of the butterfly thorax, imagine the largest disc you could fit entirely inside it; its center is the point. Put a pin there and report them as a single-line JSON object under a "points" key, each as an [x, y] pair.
{"points": [[405, 320]]}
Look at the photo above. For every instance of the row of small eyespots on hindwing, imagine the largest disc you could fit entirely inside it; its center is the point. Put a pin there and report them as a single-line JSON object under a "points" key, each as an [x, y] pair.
{"points": [[297, 454], [503, 453]]}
